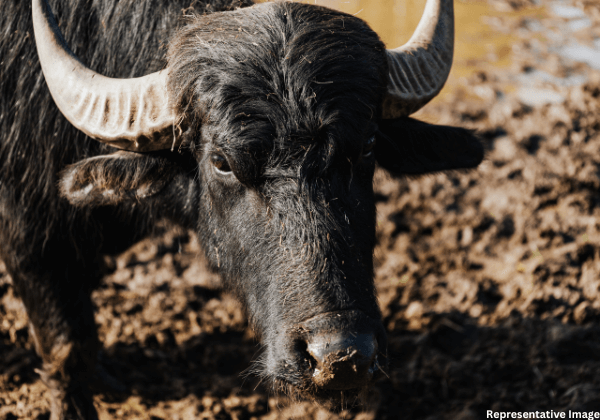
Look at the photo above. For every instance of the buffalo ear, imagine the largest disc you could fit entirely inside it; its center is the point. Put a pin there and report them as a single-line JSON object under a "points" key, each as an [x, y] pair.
{"points": [[406, 146], [118, 178]]}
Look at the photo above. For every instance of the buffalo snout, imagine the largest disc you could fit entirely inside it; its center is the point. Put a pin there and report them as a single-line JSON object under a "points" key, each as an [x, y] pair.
{"points": [[343, 361], [342, 350]]}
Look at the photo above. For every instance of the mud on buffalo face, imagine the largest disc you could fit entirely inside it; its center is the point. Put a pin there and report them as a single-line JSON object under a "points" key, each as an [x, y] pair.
{"points": [[281, 106]]}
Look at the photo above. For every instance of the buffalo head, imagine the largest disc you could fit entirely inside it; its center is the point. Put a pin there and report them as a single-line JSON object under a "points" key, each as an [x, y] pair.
{"points": [[262, 134]]}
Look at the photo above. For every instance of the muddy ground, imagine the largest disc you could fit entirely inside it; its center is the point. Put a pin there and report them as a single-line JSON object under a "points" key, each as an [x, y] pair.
{"points": [[488, 280]]}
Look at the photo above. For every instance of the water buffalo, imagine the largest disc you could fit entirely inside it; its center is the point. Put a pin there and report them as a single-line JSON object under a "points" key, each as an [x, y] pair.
{"points": [[257, 127]]}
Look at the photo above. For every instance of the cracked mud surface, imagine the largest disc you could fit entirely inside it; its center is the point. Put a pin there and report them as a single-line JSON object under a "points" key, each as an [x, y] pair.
{"points": [[488, 280]]}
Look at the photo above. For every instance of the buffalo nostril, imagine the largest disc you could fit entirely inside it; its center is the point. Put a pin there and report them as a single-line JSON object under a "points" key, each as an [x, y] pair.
{"points": [[343, 362]]}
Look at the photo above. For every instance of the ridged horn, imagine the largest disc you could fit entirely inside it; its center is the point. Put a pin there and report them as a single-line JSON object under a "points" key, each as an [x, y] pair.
{"points": [[131, 114], [419, 69]]}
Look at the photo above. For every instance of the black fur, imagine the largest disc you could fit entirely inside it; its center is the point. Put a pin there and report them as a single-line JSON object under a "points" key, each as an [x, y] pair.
{"points": [[288, 95]]}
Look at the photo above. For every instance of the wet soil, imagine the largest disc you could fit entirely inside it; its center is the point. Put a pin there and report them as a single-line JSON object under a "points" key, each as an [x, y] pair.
{"points": [[488, 280]]}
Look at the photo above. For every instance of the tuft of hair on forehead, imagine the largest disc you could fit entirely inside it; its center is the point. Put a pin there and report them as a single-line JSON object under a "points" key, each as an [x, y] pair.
{"points": [[285, 75]]}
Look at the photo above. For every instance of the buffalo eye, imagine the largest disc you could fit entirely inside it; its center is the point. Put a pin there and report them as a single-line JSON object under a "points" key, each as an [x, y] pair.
{"points": [[369, 147], [220, 163]]}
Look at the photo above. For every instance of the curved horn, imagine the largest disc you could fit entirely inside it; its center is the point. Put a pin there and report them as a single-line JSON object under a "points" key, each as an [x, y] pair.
{"points": [[130, 114], [419, 68]]}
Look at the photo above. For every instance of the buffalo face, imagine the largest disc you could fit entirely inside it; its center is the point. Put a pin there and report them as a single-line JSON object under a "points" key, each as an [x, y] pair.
{"points": [[285, 138]]}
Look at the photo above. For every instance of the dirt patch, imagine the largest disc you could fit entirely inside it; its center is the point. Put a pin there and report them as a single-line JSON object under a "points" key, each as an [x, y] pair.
{"points": [[488, 280]]}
